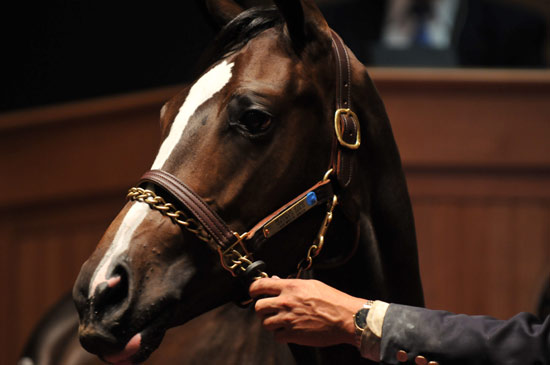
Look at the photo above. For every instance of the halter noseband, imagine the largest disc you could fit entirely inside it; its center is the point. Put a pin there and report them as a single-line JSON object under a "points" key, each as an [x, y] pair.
{"points": [[208, 226]]}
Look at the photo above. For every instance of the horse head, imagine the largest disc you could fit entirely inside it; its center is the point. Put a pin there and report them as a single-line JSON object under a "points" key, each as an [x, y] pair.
{"points": [[254, 131]]}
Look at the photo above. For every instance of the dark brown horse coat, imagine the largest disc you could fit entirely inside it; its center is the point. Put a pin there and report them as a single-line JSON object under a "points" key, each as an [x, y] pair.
{"points": [[251, 133]]}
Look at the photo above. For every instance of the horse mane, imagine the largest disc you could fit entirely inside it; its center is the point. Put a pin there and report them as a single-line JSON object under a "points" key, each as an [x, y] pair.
{"points": [[239, 31]]}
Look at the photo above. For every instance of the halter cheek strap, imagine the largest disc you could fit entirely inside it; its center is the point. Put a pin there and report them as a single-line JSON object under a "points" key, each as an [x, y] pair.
{"points": [[346, 124], [208, 218]]}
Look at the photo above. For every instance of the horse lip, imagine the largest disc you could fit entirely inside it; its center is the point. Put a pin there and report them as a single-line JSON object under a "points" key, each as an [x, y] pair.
{"points": [[111, 350], [130, 349], [138, 348]]}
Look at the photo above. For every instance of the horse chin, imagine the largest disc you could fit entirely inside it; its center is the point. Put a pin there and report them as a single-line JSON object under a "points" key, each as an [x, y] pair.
{"points": [[129, 339], [148, 337], [138, 348]]}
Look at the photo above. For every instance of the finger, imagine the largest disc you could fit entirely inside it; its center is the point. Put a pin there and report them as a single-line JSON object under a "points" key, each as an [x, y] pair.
{"points": [[265, 287], [274, 323], [266, 306]]}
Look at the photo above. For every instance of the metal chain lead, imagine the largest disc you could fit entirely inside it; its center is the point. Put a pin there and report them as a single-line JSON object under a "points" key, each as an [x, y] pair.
{"points": [[158, 203], [238, 262], [231, 259], [317, 245]]}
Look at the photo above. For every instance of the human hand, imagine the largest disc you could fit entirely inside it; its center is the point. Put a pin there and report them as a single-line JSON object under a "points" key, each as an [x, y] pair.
{"points": [[306, 312]]}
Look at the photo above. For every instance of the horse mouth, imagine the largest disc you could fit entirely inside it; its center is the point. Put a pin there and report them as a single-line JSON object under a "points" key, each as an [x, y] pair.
{"points": [[124, 356], [138, 348]]}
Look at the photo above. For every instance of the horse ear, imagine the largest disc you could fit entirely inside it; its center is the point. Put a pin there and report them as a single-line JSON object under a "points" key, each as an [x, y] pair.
{"points": [[221, 12], [304, 20]]}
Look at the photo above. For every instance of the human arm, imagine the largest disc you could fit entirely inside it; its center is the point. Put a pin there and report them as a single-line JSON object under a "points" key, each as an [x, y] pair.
{"points": [[309, 312], [461, 339]]}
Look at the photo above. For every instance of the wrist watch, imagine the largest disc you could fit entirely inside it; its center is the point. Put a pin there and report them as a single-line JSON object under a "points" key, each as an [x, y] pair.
{"points": [[360, 320]]}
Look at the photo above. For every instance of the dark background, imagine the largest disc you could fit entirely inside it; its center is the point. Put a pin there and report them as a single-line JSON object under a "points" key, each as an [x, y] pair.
{"points": [[64, 50]]}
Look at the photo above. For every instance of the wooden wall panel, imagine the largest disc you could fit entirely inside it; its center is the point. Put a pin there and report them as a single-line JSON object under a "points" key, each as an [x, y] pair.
{"points": [[476, 154], [46, 247], [473, 143], [66, 170], [478, 119], [6, 303], [483, 257]]}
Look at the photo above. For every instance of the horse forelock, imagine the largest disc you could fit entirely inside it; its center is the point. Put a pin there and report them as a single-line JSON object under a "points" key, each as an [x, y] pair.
{"points": [[238, 32]]}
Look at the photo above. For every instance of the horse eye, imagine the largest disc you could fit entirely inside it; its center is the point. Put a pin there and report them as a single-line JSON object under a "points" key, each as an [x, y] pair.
{"points": [[255, 121]]}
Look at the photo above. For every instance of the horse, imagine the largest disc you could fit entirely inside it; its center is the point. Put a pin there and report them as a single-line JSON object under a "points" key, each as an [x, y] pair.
{"points": [[278, 160]]}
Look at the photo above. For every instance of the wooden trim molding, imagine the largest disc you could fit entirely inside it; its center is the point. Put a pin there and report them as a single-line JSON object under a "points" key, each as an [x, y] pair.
{"points": [[86, 110]]}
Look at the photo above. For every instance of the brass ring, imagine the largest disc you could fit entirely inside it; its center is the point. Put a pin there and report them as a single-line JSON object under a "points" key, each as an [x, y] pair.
{"points": [[338, 130]]}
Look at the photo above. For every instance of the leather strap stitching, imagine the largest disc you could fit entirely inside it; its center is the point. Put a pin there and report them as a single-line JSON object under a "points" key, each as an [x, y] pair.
{"points": [[200, 209]]}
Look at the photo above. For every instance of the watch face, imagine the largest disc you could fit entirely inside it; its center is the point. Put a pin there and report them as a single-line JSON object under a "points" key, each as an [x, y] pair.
{"points": [[361, 318]]}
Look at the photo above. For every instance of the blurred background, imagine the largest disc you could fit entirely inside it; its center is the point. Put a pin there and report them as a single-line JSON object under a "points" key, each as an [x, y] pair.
{"points": [[466, 84], [69, 50]]}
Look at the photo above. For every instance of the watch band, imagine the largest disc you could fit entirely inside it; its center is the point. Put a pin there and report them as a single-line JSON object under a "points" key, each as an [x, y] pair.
{"points": [[360, 319]]}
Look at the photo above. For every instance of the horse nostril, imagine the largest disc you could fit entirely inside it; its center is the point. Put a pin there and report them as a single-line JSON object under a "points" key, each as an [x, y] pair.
{"points": [[112, 292]]}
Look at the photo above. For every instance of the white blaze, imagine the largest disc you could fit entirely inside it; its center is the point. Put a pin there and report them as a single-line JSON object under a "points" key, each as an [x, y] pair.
{"points": [[208, 85], [124, 234]]}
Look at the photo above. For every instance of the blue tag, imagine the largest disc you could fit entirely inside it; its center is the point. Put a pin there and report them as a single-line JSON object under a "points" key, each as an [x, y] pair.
{"points": [[311, 198]]}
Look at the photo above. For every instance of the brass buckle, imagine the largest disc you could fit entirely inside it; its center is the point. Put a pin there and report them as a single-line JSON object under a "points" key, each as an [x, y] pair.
{"points": [[338, 130]]}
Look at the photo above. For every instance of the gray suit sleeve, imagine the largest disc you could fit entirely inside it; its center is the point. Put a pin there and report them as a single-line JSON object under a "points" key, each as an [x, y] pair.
{"points": [[450, 338]]}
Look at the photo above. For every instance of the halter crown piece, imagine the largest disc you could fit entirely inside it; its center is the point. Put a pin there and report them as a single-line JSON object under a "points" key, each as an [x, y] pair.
{"points": [[209, 227]]}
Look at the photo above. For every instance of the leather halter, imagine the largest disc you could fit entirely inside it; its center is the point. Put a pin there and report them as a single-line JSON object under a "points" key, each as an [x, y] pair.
{"points": [[346, 124], [347, 140]]}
